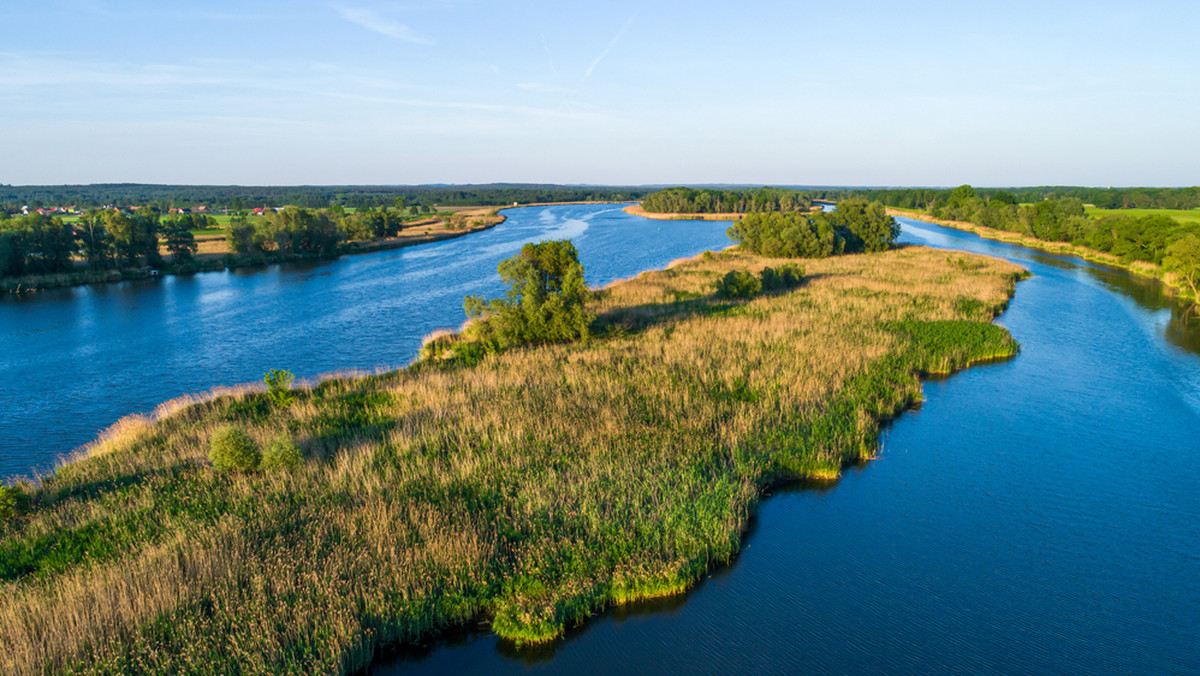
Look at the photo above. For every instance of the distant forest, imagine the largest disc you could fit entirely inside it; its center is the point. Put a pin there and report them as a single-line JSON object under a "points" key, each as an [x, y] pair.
{"points": [[1130, 236], [1104, 198], [13, 198], [705, 201]]}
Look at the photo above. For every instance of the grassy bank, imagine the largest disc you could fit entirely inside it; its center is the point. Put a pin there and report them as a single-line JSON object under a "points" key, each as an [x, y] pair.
{"points": [[530, 489], [1142, 268]]}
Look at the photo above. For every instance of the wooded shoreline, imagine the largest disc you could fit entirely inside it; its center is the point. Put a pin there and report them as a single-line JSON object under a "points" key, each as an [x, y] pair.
{"points": [[1140, 268]]}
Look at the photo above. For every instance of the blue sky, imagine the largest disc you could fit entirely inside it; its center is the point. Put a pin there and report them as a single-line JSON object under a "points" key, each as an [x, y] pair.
{"points": [[459, 91]]}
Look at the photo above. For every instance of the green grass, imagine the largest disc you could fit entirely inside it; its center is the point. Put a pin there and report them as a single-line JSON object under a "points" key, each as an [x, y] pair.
{"points": [[1181, 215], [530, 488]]}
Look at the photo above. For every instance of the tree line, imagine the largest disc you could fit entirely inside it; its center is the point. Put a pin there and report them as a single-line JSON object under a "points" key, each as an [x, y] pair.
{"points": [[707, 201], [1104, 198], [1128, 237], [1155, 238], [857, 226], [234, 198], [110, 239], [113, 239]]}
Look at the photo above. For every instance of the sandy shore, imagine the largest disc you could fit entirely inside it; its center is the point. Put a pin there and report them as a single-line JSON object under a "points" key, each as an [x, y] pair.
{"points": [[637, 210]]}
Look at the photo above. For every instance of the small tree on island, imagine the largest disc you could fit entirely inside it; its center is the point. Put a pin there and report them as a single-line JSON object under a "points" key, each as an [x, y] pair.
{"points": [[544, 303]]}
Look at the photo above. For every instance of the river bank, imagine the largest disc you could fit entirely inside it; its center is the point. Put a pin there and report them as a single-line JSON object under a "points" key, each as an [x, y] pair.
{"points": [[532, 489], [1141, 268], [217, 258]]}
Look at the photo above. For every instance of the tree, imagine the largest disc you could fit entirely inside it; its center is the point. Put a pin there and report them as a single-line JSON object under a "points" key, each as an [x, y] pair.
{"points": [[790, 235], [94, 240], [1003, 197], [133, 236], [961, 195], [1183, 259], [867, 226], [180, 240], [544, 303]]}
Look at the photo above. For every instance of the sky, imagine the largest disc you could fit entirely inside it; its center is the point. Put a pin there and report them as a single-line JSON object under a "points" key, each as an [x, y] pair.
{"points": [[919, 93]]}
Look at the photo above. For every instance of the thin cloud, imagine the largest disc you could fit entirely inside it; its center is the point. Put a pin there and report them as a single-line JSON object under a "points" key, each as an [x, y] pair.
{"points": [[525, 111], [608, 49], [542, 87], [549, 58], [378, 23]]}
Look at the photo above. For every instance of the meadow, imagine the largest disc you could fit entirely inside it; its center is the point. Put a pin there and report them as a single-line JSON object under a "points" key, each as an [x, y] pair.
{"points": [[528, 489], [1191, 216]]}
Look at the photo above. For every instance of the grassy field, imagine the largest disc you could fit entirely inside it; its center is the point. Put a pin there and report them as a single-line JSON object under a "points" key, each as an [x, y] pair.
{"points": [[530, 489], [1181, 215]]}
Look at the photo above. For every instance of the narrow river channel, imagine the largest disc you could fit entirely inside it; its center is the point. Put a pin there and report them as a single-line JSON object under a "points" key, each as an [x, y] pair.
{"points": [[1040, 515]]}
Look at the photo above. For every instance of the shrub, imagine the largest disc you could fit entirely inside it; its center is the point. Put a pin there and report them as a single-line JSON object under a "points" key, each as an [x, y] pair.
{"points": [[738, 284], [788, 276], [8, 501], [281, 453], [279, 386], [232, 450]]}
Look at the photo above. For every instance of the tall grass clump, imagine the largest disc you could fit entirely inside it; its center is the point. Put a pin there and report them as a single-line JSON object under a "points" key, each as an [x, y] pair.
{"points": [[528, 487]]}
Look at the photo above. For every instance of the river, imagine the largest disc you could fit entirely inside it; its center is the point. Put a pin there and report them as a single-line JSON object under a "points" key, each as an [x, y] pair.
{"points": [[1039, 515], [73, 361]]}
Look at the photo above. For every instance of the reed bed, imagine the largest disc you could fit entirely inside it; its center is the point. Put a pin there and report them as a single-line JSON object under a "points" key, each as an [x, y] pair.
{"points": [[529, 490]]}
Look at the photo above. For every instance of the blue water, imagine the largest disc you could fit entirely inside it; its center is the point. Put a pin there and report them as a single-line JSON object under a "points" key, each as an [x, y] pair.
{"points": [[1040, 515], [73, 361]]}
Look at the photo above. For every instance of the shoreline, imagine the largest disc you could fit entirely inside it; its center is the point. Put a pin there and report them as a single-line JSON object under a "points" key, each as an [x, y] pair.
{"points": [[1139, 268], [637, 210]]}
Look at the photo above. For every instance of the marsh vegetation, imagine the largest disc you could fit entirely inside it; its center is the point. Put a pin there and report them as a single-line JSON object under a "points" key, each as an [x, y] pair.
{"points": [[530, 488]]}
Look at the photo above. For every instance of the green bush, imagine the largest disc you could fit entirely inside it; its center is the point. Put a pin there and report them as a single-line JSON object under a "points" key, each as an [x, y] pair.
{"points": [[232, 450], [279, 386], [281, 453], [788, 276], [8, 501], [738, 284]]}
